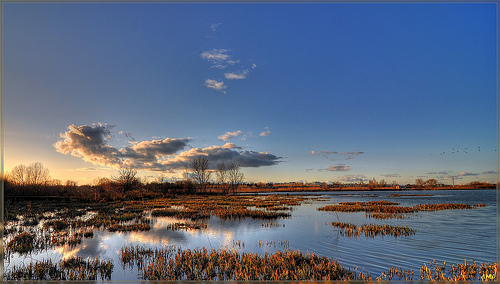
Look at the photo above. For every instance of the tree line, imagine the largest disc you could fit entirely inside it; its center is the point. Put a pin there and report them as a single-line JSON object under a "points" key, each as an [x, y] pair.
{"points": [[35, 180]]}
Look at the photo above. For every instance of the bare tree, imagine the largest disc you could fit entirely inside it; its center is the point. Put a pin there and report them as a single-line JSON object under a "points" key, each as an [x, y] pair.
{"points": [[127, 179], [235, 177], [419, 183], [430, 183], [200, 173], [18, 175], [37, 174], [222, 176]]}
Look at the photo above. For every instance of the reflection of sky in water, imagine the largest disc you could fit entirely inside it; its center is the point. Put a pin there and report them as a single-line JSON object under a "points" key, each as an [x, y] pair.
{"points": [[310, 230]]}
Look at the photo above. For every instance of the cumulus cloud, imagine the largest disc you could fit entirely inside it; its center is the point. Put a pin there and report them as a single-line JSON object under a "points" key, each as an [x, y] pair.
{"points": [[438, 173], [231, 146], [90, 142], [489, 172], [230, 135], [218, 154], [338, 168], [213, 84]]}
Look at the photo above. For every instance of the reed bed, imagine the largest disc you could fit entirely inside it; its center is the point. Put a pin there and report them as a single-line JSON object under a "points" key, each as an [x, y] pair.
{"points": [[445, 206], [225, 264], [374, 209], [372, 230], [386, 209], [69, 269], [468, 271]]}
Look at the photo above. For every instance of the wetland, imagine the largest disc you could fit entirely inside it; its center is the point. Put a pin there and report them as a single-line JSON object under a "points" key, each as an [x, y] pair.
{"points": [[385, 235]]}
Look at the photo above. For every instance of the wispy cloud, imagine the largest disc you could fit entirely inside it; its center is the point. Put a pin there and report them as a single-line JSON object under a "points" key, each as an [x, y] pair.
{"points": [[230, 135], [90, 142], [338, 168], [489, 172], [266, 132], [214, 27], [236, 76], [335, 156], [463, 174], [218, 57], [391, 175], [438, 173], [128, 135], [353, 178], [213, 84]]}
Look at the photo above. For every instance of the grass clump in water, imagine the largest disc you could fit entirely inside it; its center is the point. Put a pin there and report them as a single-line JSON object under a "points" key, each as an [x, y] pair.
{"points": [[372, 230], [22, 243], [386, 209]]}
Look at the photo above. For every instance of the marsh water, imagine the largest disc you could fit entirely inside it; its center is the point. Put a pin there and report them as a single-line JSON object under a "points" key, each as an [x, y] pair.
{"points": [[447, 235]]}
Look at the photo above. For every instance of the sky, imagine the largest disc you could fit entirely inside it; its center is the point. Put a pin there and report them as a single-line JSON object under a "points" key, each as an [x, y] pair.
{"points": [[290, 92]]}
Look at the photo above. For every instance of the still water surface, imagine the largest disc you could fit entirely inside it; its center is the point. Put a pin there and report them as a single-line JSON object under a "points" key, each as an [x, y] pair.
{"points": [[448, 235]]}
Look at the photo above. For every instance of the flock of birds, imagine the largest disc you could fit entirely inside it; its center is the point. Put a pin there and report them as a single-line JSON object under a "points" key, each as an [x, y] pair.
{"points": [[465, 150]]}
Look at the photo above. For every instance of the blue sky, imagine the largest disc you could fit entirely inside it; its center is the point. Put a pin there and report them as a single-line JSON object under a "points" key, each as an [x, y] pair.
{"points": [[292, 92]]}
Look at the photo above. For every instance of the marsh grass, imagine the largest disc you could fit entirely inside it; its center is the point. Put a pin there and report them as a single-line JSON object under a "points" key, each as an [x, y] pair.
{"points": [[224, 264], [387, 210], [69, 269], [372, 230], [170, 263]]}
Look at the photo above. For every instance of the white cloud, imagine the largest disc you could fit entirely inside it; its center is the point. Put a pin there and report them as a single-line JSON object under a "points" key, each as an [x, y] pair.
{"points": [[236, 76], [215, 55], [230, 135], [219, 58], [265, 133], [213, 84]]}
